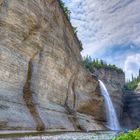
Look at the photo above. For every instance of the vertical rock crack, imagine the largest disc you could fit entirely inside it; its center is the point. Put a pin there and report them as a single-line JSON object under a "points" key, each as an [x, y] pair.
{"points": [[71, 92], [28, 98]]}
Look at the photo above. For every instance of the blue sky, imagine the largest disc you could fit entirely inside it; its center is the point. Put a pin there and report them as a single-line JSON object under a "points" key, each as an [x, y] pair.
{"points": [[109, 30]]}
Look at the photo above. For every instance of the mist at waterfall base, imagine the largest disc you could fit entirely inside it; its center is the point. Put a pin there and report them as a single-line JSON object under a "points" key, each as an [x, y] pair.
{"points": [[112, 120]]}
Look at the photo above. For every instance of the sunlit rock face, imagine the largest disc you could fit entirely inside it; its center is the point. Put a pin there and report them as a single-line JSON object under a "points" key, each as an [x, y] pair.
{"points": [[137, 90], [43, 85], [114, 83]]}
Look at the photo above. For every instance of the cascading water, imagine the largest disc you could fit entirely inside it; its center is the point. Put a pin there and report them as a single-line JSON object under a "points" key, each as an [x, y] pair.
{"points": [[112, 119]]}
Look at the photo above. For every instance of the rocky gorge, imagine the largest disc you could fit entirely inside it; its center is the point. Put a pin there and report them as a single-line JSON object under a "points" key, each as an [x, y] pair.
{"points": [[44, 85]]}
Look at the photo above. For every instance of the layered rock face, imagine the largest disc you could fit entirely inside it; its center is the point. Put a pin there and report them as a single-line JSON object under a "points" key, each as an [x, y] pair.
{"points": [[43, 85], [114, 82]]}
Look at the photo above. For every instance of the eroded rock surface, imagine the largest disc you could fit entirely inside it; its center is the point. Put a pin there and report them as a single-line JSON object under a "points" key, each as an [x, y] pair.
{"points": [[43, 85]]}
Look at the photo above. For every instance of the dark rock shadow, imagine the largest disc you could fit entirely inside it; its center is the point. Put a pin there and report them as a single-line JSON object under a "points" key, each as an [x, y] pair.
{"points": [[28, 99]]}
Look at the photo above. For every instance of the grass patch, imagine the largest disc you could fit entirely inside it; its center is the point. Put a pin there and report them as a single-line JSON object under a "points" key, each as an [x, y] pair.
{"points": [[132, 135]]}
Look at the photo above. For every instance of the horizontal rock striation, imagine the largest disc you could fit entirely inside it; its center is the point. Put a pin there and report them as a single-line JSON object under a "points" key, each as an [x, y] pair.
{"points": [[43, 85]]}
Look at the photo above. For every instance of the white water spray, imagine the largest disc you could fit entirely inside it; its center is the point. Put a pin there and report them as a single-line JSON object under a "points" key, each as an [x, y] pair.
{"points": [[112, 119]]}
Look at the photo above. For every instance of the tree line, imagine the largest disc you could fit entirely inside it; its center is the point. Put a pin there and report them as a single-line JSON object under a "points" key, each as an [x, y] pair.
{"points": [[90, 64]]}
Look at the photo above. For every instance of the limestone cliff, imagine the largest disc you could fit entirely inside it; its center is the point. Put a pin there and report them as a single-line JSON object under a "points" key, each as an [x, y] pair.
{"points": [[43, 85], [114, 82]]}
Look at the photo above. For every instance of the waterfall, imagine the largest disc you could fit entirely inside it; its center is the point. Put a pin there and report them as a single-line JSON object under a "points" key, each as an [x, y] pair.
{"points": [[112, 120]]}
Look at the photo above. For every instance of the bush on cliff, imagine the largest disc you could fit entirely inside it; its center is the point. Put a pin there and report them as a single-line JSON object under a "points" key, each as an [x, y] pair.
{"points": [[68, 15], [66, 10], [132, 135]]}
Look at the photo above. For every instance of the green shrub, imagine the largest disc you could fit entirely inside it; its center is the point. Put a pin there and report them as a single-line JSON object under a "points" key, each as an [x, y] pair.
{"points": [[132, 135], [65, 8]]}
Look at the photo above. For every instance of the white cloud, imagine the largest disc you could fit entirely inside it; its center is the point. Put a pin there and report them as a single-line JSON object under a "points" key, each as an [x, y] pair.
{"points": [[132, 65], [103, 24]]}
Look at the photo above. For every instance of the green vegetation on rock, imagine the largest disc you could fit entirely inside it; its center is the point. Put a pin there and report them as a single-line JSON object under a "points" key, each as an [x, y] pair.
{"points": [[67, 13], [90, 64], [132, 135], [66, 10]]}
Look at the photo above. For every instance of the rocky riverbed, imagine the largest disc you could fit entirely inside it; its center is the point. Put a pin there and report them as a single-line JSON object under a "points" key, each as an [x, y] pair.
{"points": [[97, 135]]}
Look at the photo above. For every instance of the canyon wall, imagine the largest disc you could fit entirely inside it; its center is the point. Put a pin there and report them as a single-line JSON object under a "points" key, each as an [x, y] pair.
{"points": [[131, 110], [114, 82], [43, 85]]}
